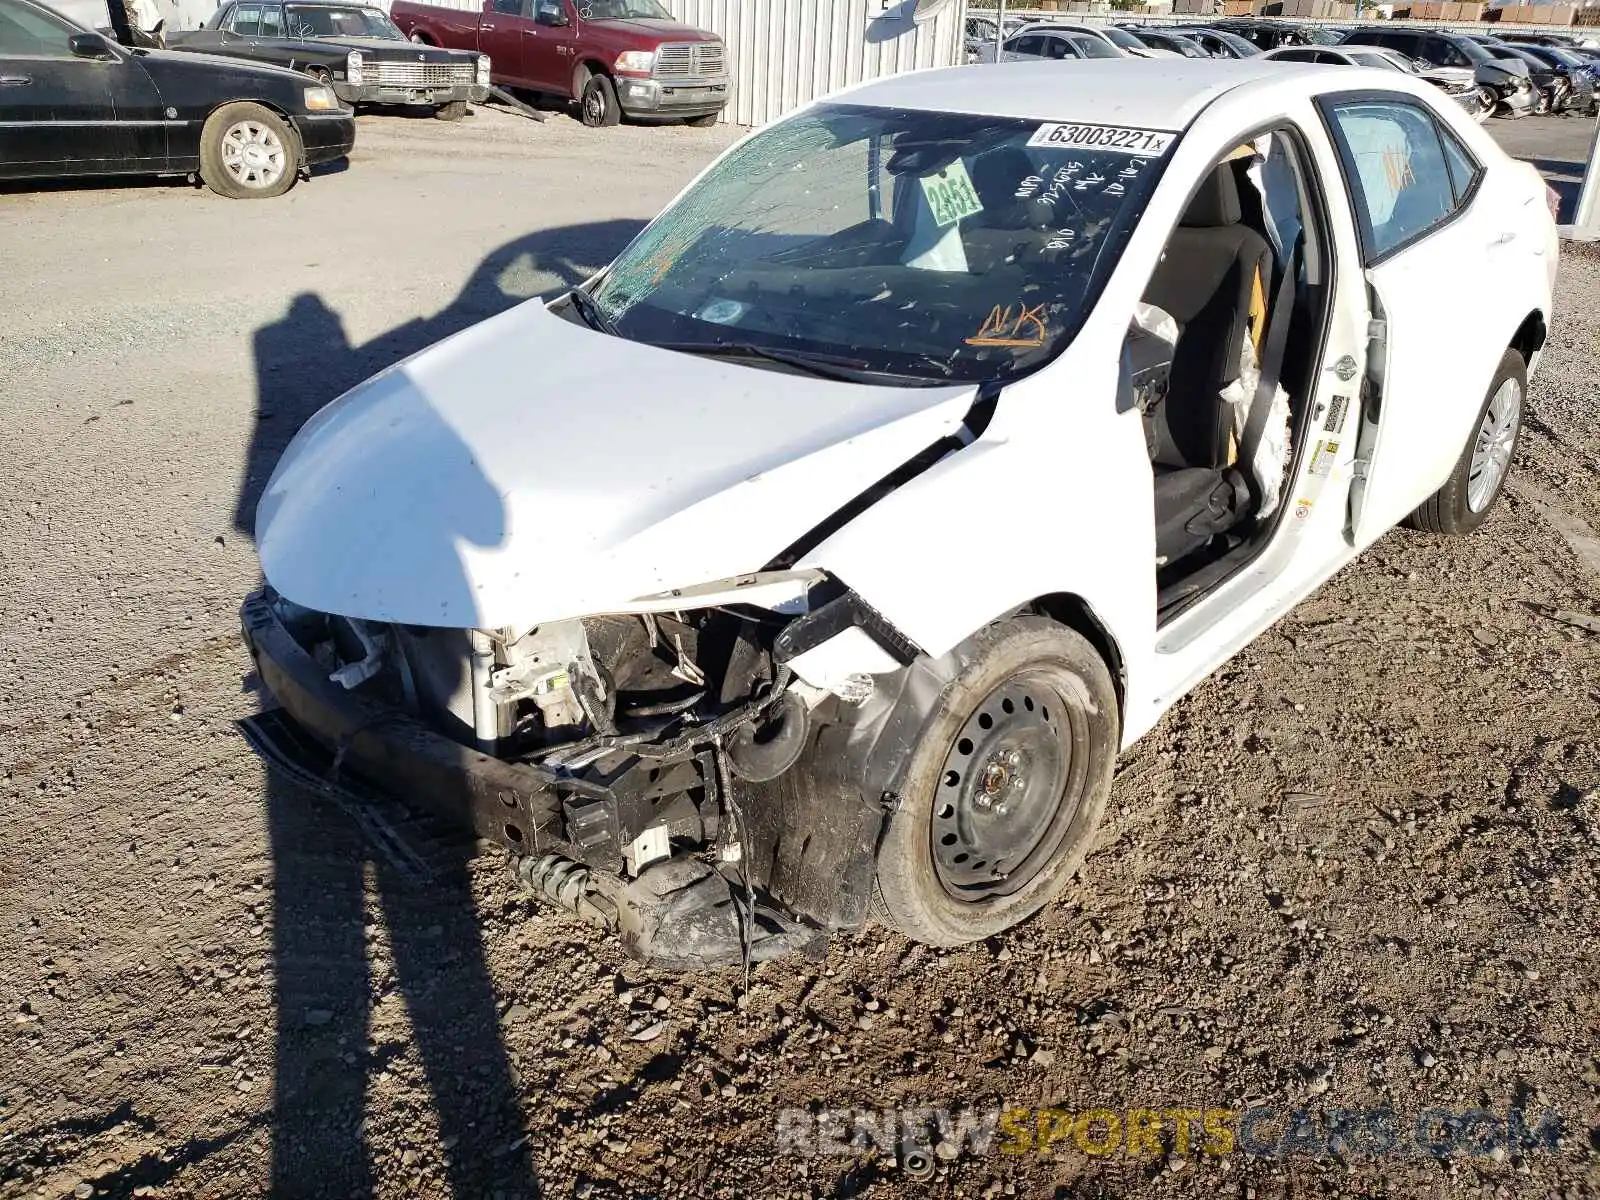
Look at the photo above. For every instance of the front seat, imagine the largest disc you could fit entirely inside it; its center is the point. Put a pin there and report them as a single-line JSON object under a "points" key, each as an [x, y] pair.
{"points": [[1213, 280]]}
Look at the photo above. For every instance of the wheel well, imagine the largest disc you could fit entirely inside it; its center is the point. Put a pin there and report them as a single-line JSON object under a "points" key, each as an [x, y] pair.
{"points": [[275, 110], [581, 76], [1530, 336], [1074, 612]]}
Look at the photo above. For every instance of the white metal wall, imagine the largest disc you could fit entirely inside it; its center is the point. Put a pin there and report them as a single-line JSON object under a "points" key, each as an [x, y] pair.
{"points": [[786, 52]]}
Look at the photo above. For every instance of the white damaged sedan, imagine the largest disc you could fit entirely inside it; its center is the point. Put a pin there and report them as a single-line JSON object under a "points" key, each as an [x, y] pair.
{"points": [[814, 561]]}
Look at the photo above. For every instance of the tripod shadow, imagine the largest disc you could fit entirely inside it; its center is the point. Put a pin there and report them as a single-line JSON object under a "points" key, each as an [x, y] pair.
{"points": [[342, 980]]}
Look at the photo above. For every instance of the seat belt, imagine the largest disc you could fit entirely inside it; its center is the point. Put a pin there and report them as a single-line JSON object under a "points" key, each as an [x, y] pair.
{"points": [[1271, 362]]}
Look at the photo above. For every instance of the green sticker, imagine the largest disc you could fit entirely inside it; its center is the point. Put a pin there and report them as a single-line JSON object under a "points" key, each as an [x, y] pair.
{"points": [[951, 195]]}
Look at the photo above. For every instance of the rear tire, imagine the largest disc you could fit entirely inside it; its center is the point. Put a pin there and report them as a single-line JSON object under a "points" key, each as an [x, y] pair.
{"points": [[1465, 500], [597, 103], [1011, 771], [248, 152], [453, 111]]}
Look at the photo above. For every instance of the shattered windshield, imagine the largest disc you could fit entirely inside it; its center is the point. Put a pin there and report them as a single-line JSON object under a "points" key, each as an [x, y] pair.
{"points": [[929, 246], [622, 10]]}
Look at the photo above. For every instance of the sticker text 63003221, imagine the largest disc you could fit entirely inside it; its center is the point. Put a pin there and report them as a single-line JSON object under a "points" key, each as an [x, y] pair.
{"points": [[1148, 143]]}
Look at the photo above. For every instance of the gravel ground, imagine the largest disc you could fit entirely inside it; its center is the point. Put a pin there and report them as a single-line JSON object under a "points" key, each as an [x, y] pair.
{"points": [[1357, 869]]}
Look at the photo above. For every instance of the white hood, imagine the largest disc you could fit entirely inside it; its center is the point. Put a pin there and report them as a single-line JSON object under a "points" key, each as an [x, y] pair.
{"points": [[530, 469]]}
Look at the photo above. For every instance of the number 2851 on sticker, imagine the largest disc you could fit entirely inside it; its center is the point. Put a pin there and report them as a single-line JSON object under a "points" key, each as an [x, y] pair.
{"points": [[1147, 143]]}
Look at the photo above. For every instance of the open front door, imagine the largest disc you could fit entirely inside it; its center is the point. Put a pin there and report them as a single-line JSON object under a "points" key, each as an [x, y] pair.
{"points": [[1411, 185]]}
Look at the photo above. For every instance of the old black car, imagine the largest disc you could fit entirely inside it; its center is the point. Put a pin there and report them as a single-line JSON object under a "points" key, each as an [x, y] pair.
{"points": [[353, 48], [74, 102]]}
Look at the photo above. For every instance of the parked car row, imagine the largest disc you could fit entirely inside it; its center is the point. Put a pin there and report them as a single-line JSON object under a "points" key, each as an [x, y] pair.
{"points": [[1484, 73], [267, 89], [74, 102]]}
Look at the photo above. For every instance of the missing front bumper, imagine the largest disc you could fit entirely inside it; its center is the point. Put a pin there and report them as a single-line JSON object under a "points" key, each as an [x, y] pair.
{"points": [[679, 914]]}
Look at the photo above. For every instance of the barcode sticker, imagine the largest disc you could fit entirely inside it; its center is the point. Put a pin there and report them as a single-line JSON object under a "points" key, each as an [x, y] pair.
{"points": [[1145, 143]]}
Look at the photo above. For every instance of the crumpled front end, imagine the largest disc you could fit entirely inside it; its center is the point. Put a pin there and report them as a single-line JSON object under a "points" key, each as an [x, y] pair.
{"points": [[654, 773]]}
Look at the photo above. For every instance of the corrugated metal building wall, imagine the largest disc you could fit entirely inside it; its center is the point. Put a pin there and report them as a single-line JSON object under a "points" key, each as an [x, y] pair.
{"points": [[785, 52]]}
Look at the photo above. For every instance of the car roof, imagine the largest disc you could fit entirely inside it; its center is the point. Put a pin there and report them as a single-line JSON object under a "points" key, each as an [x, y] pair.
{"points": [[1155, 93]]}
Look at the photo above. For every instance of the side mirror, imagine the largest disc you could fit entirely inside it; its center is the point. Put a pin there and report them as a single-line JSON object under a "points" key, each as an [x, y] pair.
{"points": [[90, 45]]}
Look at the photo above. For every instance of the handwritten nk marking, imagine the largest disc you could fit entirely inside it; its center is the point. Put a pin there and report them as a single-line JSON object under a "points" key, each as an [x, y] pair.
{"points": [[1000, 329]]}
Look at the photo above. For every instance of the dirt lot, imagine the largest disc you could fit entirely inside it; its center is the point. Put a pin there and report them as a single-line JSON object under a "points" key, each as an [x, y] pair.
{"points": [[1357, 869]]}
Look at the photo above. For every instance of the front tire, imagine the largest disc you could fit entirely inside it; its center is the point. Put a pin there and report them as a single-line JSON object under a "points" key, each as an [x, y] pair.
{"points": [[1005, 788], [453, 111], [597, 103], [702, 122], [1463, 503], [248, 152]]}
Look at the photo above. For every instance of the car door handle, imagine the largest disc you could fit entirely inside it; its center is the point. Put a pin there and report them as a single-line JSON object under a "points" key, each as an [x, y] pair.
{"points": [[486, 28], [15, 80], [1509, 235]]}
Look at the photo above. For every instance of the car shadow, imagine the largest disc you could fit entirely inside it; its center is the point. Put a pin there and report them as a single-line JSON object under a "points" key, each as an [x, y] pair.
{"points": [[345, 962]]}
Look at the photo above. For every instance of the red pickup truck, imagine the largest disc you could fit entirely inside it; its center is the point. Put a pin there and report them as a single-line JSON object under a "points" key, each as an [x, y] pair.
{"points": [[615, 58]]}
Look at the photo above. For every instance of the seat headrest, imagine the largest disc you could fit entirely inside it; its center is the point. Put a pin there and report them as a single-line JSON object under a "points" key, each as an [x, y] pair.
{"points": [[1216, 204]]}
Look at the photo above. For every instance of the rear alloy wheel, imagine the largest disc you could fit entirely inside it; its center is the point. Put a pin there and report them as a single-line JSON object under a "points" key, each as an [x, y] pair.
{"points": [[248, 152], [597, 104], [1461, 505], [1005, 787]]}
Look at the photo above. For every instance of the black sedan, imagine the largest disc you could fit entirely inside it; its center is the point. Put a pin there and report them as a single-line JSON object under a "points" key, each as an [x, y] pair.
{"points": [[353, 48], [74, 102]]}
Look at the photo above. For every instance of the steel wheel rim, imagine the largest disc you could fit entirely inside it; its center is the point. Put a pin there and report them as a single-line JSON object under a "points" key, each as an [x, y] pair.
{"points": [[595, 103], [253, 155], [1497, 437], [1007, 791]]}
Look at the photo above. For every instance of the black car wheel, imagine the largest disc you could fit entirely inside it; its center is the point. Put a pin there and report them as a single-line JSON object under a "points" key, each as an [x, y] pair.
{"points": [[597, 104], [705, 122], [248, 152], [1461, 505], [453, 111], [1005, 788]]}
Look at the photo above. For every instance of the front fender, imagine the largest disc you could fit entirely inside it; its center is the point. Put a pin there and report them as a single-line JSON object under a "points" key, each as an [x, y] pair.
{"points": [[1054, 498]]}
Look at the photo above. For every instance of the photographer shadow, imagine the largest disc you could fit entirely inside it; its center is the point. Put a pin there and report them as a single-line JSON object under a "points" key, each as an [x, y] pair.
{"points": [[337, 965]]}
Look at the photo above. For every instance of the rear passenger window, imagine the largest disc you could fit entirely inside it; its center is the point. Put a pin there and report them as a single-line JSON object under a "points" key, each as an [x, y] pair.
{"points": [[247, 19], [271, 21], [1400, 181], [1464, 169]]}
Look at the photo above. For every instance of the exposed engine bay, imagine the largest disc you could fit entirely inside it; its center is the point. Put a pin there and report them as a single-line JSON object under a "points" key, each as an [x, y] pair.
{"points": [[665, 744]]}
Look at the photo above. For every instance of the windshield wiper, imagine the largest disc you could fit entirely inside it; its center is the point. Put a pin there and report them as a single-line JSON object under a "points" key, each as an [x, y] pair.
{"points": [[813, 362], [589, 310]]}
